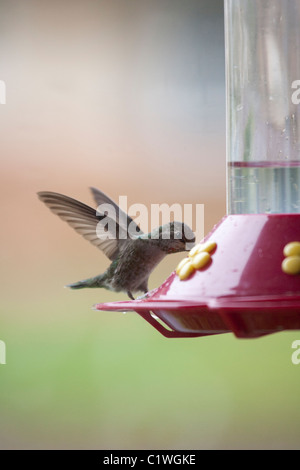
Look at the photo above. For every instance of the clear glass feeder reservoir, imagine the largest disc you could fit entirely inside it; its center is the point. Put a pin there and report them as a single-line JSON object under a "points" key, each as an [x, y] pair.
{"points": [[263, 116], [251, 285]]}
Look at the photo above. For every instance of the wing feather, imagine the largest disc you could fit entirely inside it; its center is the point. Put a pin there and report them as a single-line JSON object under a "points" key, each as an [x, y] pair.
{"points": [[85, 220]]}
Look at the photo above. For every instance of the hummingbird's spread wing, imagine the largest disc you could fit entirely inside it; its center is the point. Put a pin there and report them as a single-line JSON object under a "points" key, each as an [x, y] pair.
{"points": [[85, 220], [122, 218]]}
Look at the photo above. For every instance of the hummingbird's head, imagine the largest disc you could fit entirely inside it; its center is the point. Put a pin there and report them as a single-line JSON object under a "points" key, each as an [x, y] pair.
{"points": [[174, 237]]}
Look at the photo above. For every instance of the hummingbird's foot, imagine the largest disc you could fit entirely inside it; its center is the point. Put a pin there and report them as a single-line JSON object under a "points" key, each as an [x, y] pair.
{"points": [[130, 295], [143, 296]]}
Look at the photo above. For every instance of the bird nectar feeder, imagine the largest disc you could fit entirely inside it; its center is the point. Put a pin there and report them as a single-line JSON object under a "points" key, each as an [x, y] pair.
{"points": [[245, 276]]}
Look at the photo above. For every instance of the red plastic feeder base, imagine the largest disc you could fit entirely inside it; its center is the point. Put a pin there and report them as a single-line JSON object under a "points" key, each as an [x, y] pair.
{"points": [[243, 290]]}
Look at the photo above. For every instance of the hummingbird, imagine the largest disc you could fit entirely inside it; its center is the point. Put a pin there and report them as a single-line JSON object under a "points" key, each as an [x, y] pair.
{"points": [[133, 253]]}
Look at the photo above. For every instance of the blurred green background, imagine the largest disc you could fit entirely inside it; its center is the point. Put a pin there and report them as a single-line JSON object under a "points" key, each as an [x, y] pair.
{"points": [[127, 96]]}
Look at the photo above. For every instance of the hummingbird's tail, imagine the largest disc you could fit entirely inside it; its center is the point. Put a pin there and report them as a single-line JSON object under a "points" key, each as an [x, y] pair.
{"points": [[97, 281]]}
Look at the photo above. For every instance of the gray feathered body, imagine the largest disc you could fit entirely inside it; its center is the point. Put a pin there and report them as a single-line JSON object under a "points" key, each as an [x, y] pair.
{"points": [[131, 270]]}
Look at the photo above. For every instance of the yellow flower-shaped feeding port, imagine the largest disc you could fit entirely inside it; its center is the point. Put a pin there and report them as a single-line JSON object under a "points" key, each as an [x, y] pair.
{"points": [[291, 262], [198, 258]]}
